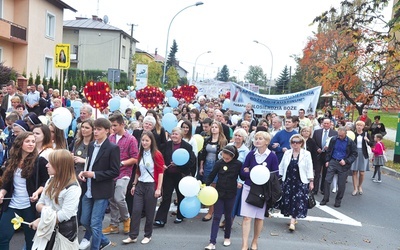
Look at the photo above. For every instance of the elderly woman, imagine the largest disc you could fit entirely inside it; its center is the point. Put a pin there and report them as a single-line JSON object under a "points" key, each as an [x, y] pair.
{"points": [[377, 127], [360, 165], [257, 157], [172, 175], [296, 169]]}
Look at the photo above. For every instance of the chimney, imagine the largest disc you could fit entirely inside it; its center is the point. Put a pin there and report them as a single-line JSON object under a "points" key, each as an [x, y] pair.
{"points": [[155, 53], [96, 18]]}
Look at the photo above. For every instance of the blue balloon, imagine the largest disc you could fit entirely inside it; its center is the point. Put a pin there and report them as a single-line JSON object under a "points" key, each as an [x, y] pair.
{"points": [[77, 108], [173, 102], [180, 157], [190, 207], [169, 122], [226, 104], [114, 104], [167, 110], [169, 93], [197, 105], [133, 94]]}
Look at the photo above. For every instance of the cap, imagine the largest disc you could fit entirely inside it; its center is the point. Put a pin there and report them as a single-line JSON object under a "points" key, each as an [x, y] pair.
{"points": [[229, 149], [21, 124], [34, 119]]}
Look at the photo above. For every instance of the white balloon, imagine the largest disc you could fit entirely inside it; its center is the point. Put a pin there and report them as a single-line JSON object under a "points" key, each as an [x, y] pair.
{"points": [[234, 119], [43, 119], [259, 174], [189, 186], [124, 104], [142, 110], [62, 118]]}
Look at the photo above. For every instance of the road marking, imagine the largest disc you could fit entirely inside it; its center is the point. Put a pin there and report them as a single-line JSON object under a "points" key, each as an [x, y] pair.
{"points": [[340, 217]]}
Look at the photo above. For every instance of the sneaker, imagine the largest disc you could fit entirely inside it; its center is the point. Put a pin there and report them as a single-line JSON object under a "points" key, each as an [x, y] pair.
{"points": [[378, 181], [227, 242], [210, 247], [105, 246], [146, 240], [85, 243], [129, 240], [127, 225], [111, 230]]}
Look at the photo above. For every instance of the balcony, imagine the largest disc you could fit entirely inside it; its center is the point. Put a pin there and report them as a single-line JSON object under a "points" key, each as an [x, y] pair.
{"points": [[12, 32]]}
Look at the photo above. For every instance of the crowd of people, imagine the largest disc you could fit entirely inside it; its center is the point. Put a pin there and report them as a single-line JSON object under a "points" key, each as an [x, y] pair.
{"points": [[122, 162]]}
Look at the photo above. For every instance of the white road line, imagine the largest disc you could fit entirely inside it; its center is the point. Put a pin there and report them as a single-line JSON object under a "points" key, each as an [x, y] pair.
{"points": [[340, 217]]}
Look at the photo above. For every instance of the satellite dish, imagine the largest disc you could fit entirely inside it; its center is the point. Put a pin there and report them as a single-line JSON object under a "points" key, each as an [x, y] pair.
{"points": [[105, 19]]}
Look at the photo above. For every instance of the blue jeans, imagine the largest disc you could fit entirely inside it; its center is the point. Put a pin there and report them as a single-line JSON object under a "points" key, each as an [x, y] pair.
{"points": [[93, 211], [7, 230], [222, 206]]}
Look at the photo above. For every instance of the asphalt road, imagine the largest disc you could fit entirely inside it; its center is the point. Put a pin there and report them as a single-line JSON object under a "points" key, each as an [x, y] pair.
{"points": [[368, 221]]}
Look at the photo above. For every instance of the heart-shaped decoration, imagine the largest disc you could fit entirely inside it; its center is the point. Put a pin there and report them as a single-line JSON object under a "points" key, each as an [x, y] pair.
{"points": [[186, 92], [150, 96], [98, 94]]}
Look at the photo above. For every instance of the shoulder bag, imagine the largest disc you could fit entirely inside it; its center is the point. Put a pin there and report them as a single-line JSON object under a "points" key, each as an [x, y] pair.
{"points": [[256, 195], [311, 200]]}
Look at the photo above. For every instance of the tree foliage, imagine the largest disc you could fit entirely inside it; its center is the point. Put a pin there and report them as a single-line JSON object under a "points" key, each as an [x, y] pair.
{"points": [[223, 75], [353, 55], [6, 74], [173, 78], [171, 61], [282, 83], [256, 75]]}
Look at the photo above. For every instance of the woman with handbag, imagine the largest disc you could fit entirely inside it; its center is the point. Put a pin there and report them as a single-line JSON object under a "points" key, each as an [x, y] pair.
{"points": [[18, 193], [58, 205], [360, 165], [146, 187], [296, 169], [260, 155]]}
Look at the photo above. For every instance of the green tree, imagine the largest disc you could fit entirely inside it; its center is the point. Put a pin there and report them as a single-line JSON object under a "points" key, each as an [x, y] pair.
{"points": [[30, 80], [256, 75], [44, 81], [155, 74], [6, 74], [296, 82], [282, 84], [173, 78], [223, 75], [37, 79], [171, 61]]}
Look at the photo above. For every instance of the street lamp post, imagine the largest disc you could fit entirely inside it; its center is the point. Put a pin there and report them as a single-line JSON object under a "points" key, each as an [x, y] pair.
{"points": [[166, 44], [195, 63], [272, 65]]}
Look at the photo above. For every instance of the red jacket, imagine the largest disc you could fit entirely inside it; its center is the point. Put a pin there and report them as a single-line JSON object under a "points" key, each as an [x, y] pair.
{"points": [[158, 166]]}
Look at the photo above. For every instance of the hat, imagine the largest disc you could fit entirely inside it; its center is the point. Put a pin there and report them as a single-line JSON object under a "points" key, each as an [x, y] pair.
{"points": [[33, 118], [21, 124], [231, 150]]}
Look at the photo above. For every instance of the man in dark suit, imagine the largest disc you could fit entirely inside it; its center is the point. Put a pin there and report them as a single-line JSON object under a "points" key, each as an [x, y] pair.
{"points": [[103, 164], [220, 117], [11, 92], [320, 137], [341, 153]]}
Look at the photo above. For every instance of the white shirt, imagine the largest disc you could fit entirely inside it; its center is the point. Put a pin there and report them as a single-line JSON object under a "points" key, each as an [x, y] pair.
{"points": [[260, 158], [146, 163], [20, 196]]}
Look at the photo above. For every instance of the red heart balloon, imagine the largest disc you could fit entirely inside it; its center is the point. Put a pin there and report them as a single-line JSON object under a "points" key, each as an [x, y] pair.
{"points": [[98, 94], [150, 96]]}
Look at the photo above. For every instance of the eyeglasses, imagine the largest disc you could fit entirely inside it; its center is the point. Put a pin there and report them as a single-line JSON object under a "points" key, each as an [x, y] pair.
{"points": [[296, 142]]}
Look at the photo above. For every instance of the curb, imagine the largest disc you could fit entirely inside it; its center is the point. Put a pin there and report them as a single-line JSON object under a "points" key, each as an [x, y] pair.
{"points": [[390, 171]]}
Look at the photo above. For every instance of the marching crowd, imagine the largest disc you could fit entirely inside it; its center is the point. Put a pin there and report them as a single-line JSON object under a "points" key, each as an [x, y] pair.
{"points": [[121, 162]]}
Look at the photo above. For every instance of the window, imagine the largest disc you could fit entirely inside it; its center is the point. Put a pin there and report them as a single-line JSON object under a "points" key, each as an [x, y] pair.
{"points": [[50, 25], [1, 54], [48, 67], [123, 52], [1, 8]]}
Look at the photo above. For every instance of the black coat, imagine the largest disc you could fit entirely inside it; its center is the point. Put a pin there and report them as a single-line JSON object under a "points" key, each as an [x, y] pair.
{"points": [[186, 169], [106, 168]]}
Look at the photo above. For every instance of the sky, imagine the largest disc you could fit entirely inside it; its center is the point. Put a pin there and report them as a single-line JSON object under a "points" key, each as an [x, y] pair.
{"points": [[227, 28]]}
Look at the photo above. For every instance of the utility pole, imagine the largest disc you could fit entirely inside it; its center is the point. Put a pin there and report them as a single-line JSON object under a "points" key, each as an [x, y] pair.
{"points": [[130, 70]]}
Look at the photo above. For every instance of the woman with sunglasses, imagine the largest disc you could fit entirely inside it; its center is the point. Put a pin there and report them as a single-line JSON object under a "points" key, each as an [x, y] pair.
{"points": [[296, 169]]}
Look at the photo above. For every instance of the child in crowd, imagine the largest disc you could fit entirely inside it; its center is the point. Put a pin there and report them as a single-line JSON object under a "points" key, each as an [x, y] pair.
{"points": [[379, 158]]}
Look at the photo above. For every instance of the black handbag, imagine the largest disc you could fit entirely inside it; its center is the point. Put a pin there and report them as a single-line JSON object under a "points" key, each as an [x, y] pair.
{"points": [[256, 195], [311, 200]]}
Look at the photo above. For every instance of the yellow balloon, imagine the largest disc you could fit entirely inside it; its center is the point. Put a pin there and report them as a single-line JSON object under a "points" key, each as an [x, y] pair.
{"points": [[208, 196], [351, 134], [199, 141]]}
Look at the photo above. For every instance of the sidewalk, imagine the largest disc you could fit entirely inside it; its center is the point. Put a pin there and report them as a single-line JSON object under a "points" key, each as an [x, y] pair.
{"points": [[391, 135]]}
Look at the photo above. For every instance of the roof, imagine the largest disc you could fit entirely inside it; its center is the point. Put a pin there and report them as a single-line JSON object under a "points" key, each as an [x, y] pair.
{"points": [[62, 5], [89, 23]]}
